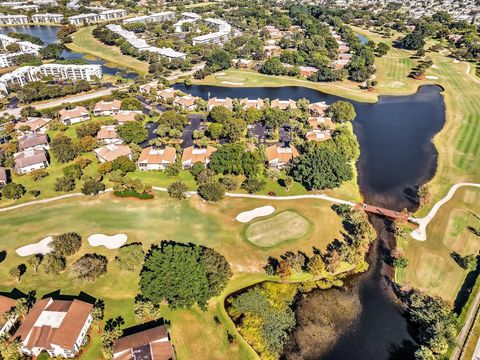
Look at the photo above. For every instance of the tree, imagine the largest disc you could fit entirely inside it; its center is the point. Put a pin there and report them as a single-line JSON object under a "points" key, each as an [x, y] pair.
{"points": [[316, 265], [65, 184], [413, 41], [382, 49], [173, 120], [13, 191], [39, 174], [66, 244], [98, 312], [342, 111], [197, 168], [89, 128], [219, 60], [34, 262], [10, 348], [220, 114], [177, 190], [212, 191], [288, 181], [273, 66], [319, 168], [133, 132], [215, 131], [467, 262], [112, 331], [235, 159], [145, 310], [234, 129], [130, 256], [53, 264], [74, 171], [424, 195], [131, 103], [123, 164], [92, 187], [63, 148], [230, 182], [89, 267], [253, 185], [15, 273], [424, 353], [51, 51], [183, 274]]}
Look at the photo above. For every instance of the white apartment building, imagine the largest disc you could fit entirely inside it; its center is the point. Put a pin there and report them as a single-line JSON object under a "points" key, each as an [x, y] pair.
{"points": [[142, 45], [93, 17], [47, 18], [188, 19], [156, 17], [13, 19], [26, 74], [8, 59], [218, 37]]}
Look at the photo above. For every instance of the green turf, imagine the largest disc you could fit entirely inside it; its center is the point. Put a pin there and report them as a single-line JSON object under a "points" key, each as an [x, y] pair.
{"points": [[287, 225]]}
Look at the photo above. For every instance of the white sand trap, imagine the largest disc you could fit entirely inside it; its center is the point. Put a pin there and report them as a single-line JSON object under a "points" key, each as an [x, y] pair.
{"points": [[434, 67], [432, 77], [232, 83], [220, 74], [40, 247], [455, 61], [110, 242], [248, 216]]}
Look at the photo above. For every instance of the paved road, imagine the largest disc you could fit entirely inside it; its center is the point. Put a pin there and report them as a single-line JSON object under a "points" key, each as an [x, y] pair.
{"points": [[462, 336], [57, 102]]}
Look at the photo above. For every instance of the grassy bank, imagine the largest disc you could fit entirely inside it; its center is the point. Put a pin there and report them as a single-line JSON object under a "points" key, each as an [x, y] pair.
{"points": [[84, 42], [194, 332]]}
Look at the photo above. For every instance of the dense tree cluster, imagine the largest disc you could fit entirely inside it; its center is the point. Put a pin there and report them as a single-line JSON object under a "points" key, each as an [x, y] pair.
{"points": [[43, 90], [183, 274]]}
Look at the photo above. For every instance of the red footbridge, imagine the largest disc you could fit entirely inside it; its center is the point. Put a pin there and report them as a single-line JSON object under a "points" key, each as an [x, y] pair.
{"points": [[396, 215]]}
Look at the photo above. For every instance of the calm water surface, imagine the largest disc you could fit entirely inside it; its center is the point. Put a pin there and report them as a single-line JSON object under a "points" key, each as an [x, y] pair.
{"points": [[48, 34], [397, 156]]}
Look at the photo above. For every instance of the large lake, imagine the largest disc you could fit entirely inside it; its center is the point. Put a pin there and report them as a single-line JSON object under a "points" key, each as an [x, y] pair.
{"points": [[48, 34], [397, 156]]}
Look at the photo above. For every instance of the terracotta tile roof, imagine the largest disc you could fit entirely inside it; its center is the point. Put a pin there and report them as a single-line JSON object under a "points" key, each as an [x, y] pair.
{"points": [[195, 154], [318, 135], [227, 102], [256, 103], [6, 303], [141, 338], [113, 105], [32, 140], [126, 115], [150, 155], [29, 157], [54, 322], [73, 113], [316, 122], [3, 178], [162, 350], [318, 108], [167, 93], [283, 104], [111, 152], [281, 154], [107, 132], [185, 101], [34, 123]]}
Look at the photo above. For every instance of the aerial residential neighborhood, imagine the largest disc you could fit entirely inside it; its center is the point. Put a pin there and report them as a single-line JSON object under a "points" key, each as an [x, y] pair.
{"points": [[239, 180]]}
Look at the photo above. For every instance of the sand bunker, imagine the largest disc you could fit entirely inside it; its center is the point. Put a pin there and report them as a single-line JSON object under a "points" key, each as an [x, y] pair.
{"points": [[40, 247], [432, 77], [110, 242], [248, 216], [232, 83]]}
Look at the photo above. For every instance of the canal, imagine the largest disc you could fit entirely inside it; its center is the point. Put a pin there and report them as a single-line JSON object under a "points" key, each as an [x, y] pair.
{"points": [[397, 156]]}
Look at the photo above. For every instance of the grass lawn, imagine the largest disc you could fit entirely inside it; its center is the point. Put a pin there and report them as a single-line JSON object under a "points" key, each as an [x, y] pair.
{"points": [[84, 42], [281, 227], [431, 266], [150, 221]]}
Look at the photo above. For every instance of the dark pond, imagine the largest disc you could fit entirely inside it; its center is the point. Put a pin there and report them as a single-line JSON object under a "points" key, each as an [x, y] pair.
{"points": [[48, 34], [363, 39], [397, 155]]}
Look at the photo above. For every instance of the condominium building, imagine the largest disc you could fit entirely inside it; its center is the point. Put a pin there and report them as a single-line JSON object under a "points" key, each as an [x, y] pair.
{"points": [[7, 59], [218, 37], [142, 45], [13, 19], [189, 18], [93, 17], [156, 17], [26, 74], [47, 18]]}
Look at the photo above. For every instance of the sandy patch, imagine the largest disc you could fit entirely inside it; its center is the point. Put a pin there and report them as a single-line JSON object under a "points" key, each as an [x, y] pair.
{"points": [[430, 77], [455, 61], [220, 74], [232, 83], [41, 247], [248, 216], [434, 67], [110, 242]]}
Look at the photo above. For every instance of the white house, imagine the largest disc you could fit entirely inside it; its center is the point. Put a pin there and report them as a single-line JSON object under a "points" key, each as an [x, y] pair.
{"points": [[30, 160], [156, 159], [108, 134], [106, 108], [55, 326], [111, 152], [193, 154], [33, 141], [73, 116]]}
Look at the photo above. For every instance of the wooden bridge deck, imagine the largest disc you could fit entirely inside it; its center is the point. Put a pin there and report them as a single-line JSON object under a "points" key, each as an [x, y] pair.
{"points": [[396, 215]]}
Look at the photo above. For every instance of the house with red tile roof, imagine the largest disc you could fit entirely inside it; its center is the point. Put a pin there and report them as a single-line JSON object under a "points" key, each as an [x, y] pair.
{"points": [[283, 104], [55, 326], [226, 102], [124, 116], [108, 135], [156, 159], [7, 320], [166, 94], [317, 108], [194, 154], [111, 152], [150, 344], [33, 141], [106, 108], [187, 102], [3, 177], [73, 116], [35, 125], [279, 156]]}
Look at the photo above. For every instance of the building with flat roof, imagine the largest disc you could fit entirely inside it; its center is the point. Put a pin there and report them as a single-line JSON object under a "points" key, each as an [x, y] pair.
{"points": [[217, 37], [156, 17], [47, 18], [13, 19]]}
